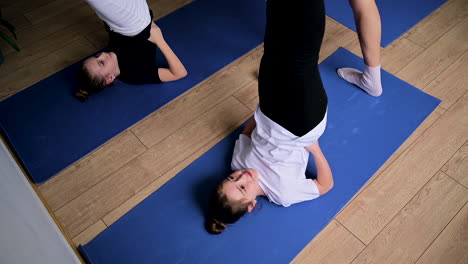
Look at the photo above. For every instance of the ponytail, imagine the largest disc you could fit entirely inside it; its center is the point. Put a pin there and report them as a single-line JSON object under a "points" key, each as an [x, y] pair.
{"points": [[81, 95], [216, 227], [223, 211], [89, 83]]}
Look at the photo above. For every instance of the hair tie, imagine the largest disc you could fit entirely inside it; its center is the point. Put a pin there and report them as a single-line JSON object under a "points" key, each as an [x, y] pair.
{"points": [[81, 95], [217, 222], [83, 92]]}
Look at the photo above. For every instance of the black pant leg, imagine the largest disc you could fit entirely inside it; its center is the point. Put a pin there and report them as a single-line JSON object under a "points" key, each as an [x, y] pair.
{"points": [[290, 88]]}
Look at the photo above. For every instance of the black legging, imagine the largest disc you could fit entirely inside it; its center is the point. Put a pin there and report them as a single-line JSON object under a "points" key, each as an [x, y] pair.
{"points": [[290, 88]]}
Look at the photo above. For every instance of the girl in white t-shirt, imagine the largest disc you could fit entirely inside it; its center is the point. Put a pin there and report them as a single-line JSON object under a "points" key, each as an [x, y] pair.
{"points": [[271, 155]]}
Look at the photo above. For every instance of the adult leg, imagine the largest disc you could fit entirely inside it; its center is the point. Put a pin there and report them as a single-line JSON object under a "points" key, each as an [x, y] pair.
{"points": [[368, 25]]}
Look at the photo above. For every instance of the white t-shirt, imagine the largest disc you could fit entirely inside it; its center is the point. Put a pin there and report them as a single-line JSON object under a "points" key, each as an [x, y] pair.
{"points": [[280, 160], [126, 17]]}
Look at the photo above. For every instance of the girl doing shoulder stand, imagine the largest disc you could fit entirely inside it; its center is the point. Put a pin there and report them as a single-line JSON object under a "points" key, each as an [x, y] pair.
{"points": [[133, 42], [270, 157]]}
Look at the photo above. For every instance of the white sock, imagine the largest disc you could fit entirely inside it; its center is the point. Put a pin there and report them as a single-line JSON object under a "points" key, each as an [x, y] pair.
{"points": [[369, 80]]}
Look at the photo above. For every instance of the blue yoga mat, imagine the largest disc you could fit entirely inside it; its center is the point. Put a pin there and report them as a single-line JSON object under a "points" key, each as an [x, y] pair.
{"points": [[362, 133], [49, 129], [397, 16]]}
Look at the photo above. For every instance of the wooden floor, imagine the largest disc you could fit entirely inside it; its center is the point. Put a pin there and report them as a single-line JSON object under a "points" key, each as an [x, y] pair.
{"points": [[414, 209]]}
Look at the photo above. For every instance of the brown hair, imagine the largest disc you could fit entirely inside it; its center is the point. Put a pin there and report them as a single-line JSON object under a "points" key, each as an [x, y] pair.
{"points": [[89, 83], [224, 211]]}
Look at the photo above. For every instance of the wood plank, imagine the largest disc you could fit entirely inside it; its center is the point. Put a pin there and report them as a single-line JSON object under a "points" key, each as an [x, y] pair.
{"points": [[413, 229], [457, 166], [90, 170], [16, 8], [355, 47], [334, 244], [336, 35], [42, 46], [134, 176], [125, 207], [193, 103], [63, 20], [40, 35], [452, 244], [436, 58], [434, 26], [4, 93], [395, 56], [89, 233], [248, 95], [25, 36], [18, 22], [52, 9], [162, 8], [21, 24], [99, 38], [452, 83], [43, 67], [369, 212]]}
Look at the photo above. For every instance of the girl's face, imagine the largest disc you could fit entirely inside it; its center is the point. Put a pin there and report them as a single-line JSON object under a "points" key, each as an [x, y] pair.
{"points": [[104, 64], [242, 185]]}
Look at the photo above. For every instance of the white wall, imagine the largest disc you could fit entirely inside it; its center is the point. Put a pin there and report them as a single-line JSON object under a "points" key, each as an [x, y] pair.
{"points": [[27, 232]]}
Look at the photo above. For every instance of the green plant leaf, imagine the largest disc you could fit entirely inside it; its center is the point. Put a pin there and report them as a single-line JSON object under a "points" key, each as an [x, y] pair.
{"points": [[9, 26], [10, 41]]}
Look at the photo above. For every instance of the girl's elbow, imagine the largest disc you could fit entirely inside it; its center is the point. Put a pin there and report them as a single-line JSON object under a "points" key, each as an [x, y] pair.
{"points": [[180, 74], [330, 186], [183, 73], [326, 188]]}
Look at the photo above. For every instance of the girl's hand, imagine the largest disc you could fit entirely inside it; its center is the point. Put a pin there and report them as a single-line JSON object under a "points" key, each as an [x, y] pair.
{"points": [[314, 148], [156, 34]]}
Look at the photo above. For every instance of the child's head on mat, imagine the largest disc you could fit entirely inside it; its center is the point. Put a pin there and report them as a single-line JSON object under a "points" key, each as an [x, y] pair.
{"points": [[97, 73], [234, 196]]}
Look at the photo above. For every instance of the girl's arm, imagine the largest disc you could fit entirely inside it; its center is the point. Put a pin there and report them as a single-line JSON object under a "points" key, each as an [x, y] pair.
{"points": [[324, 179], [249, 127], [176, 69]]}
